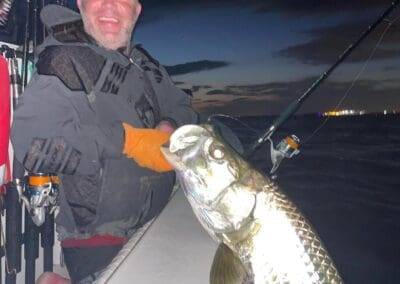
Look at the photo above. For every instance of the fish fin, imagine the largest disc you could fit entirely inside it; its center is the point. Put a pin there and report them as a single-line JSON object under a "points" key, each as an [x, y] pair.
{"points": [[227, 268]]}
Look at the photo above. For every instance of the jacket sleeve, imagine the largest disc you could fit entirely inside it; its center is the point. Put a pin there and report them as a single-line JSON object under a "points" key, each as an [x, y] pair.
{"points": [[51, 131], [175, 104]]}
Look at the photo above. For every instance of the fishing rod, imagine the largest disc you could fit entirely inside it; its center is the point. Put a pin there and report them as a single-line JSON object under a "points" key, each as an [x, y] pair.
{"points": [[42, 28], [35, 23], [26, 44], [287, 148], [16, 190], [13, 236]]}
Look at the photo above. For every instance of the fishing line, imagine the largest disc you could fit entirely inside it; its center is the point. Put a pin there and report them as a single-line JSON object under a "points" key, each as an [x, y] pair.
{"points": [[342, 99], [244, 124], [356, 78], [25, 49]]}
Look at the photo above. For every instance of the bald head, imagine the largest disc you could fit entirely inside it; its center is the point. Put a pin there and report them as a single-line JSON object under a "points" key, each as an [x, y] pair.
{"points": [[110, 22]]}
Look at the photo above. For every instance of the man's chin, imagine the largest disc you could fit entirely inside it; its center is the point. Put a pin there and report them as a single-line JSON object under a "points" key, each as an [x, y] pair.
{"points": [[111, 41]]}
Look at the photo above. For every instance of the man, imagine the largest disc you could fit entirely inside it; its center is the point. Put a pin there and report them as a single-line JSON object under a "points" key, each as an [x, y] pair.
{"points": [[96, 114]]}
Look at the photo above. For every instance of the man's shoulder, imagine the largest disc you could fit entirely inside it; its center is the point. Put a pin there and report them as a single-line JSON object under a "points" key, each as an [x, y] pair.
{"points": [[76, 66], [141, 53], [53, 56], [149, 64]]}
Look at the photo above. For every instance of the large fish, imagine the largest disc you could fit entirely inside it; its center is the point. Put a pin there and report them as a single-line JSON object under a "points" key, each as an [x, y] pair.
{"points": [[264, 238]]}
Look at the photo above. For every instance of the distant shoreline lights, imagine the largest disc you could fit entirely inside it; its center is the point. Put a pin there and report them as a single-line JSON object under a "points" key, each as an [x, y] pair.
{"points": [[345, 112], [350, 112]]}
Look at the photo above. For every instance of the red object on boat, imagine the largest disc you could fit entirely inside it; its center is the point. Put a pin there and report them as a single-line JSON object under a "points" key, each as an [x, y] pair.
{"points": [[4, 122]]}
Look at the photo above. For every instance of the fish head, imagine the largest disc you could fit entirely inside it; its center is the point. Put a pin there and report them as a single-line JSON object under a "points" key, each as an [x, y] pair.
{"points": [[204, 164]]}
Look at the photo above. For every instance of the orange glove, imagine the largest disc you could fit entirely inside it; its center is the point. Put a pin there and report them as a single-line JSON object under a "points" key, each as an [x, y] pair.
{"points": [[143, 146]]}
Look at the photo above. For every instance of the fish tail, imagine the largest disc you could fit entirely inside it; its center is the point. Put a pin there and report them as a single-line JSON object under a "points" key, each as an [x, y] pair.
{"points": [[227, 268]]}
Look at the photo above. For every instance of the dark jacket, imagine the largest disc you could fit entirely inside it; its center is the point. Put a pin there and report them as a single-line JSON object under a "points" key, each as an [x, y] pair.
{"points": [[70, 123]]}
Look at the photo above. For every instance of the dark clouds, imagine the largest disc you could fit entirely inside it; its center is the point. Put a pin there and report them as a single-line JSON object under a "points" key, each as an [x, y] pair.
{"points": [[250, 90], [293, 89], [221, 92], [296, 7], [272, 98], [391, 68], [328, 43], [196, 66], [198, 87]]}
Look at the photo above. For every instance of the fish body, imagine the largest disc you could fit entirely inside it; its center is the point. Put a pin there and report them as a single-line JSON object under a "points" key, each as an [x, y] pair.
{"points": [[269, 239]]}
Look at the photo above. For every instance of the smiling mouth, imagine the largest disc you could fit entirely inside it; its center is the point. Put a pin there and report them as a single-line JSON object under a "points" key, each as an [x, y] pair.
{"points": [[108, 20]]}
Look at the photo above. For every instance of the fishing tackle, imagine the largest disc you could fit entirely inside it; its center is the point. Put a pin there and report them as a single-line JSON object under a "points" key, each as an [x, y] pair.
{"points": [[19, 190], [276, 154], [26, 45], [42, 196], [47, 230], [16, 83], [287, 148]]}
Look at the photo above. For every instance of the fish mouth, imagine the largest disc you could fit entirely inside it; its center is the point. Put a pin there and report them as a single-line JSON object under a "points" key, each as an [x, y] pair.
{"points": [[171, 157], [167, 153]]}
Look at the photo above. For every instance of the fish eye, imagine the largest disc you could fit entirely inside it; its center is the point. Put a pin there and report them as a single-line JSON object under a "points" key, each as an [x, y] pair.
{"points": [[217, 151]]}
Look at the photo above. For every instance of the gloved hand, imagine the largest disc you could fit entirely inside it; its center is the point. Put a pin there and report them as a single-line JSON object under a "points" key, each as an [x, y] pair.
{"points": [[143, 146]]}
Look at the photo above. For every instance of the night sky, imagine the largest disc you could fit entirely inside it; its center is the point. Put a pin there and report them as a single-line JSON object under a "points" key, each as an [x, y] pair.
{"points": [[254, 57]]}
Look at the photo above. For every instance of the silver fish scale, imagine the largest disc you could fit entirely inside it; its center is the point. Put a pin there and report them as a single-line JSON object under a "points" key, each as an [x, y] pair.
{"points": [[259, 224], [323, 265]]}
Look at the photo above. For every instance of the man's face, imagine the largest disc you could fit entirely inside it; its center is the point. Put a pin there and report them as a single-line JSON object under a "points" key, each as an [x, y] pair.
{"points": [[110, 22]]}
